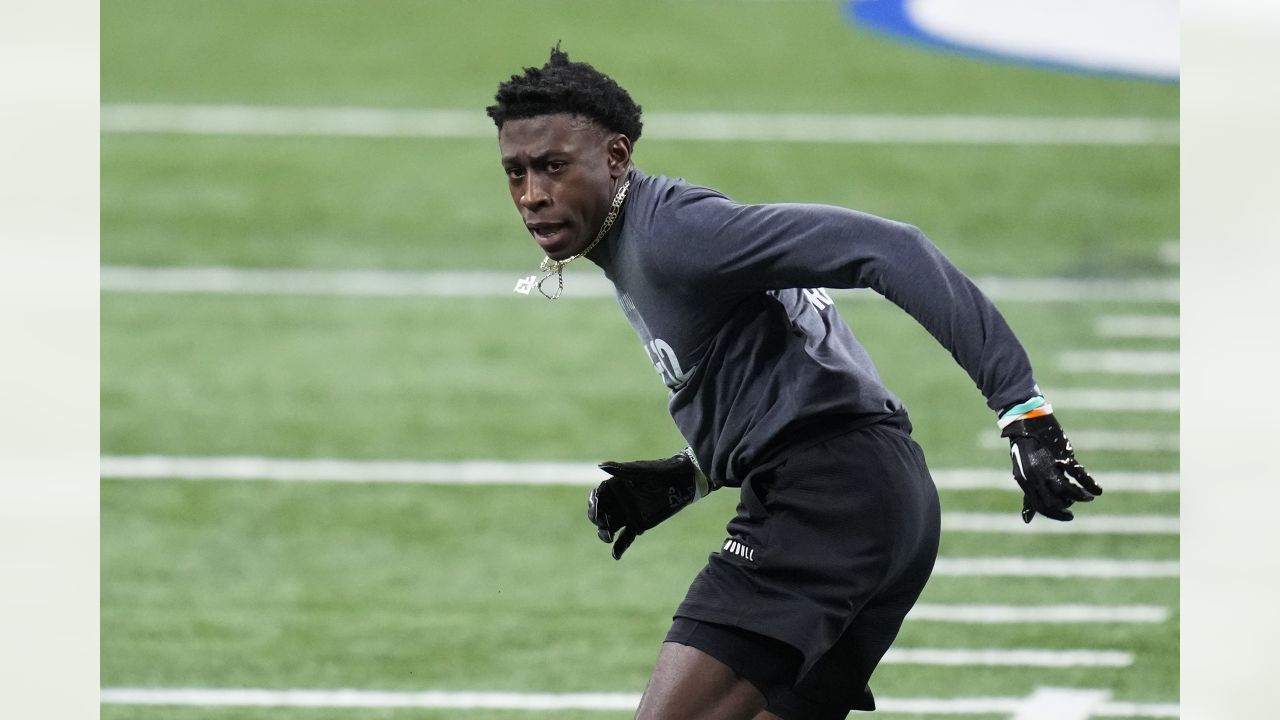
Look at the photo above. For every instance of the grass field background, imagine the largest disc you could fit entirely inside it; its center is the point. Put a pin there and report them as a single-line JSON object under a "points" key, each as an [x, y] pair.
{"points": [[445, 587]]}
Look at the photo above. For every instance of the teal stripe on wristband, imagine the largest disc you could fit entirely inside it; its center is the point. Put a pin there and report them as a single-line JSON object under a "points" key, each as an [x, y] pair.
{"points": [[1025, 407]]}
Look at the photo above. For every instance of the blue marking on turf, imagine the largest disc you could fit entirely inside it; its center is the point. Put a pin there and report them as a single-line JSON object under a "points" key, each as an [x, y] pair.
{"points": [[890, 18]]}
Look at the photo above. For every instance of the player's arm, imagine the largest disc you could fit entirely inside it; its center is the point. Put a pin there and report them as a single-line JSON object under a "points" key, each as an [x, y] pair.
{"points": [[643, 493], [726, 248], [785, 246]]}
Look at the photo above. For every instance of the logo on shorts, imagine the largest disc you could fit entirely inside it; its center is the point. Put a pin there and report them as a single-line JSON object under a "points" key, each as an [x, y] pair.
{"points": [[737, 548]]}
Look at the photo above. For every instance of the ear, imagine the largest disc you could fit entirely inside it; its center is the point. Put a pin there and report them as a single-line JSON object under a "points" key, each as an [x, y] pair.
{"points": [[618, 152]]}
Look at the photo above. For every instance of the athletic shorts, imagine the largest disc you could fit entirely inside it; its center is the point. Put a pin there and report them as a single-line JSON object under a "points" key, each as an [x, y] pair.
{"points": [[831, 545]]}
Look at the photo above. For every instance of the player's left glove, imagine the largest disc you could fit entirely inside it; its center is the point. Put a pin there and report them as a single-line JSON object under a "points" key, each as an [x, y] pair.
{"points": [[642, 494], [1044, 463]]}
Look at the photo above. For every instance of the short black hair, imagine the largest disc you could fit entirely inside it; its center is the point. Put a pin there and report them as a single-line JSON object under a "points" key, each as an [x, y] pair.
{"points": [[563, 86]]}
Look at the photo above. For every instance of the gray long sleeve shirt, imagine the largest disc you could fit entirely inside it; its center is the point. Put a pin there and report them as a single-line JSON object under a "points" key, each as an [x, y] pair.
{"points": [[727, 300]]}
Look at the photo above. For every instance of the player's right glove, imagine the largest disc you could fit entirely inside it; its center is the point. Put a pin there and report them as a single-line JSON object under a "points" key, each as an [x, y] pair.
{"points": [[642, 494], [1044, 463]]}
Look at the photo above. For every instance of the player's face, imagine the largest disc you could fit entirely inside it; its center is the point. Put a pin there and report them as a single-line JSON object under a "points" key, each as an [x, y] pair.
{"points": [[562, 170]]}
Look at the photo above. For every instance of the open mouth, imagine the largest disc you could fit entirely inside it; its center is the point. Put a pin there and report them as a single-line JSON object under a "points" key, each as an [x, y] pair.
{"points": [[549, 236]]}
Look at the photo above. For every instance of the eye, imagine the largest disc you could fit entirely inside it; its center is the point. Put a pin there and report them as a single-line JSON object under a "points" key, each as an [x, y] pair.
{"points": [[515, 173], [556, 166]]}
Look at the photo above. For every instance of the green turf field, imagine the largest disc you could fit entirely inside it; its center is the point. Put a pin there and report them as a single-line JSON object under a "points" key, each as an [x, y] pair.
{"points": [[449, 587]]}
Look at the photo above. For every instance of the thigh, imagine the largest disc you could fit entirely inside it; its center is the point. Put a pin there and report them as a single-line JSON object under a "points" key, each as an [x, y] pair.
{"points": [[690, 684]]}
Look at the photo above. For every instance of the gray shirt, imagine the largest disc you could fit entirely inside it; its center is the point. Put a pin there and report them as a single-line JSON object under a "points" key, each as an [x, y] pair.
{"points": [[728, 301]]}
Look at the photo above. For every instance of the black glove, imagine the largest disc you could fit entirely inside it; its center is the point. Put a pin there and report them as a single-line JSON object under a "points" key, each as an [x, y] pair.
{"points": [[642, 494], [1045, 467]]}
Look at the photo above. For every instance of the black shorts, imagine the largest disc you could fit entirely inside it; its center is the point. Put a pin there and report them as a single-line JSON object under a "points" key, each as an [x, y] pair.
{"points": [[831, 545]]}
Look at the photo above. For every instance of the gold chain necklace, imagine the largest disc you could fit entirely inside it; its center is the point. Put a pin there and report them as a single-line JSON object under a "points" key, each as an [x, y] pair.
{"points": [[556, 267]]}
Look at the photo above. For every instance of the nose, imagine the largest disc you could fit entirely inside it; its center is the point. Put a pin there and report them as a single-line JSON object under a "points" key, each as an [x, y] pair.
{"points": [[533, 195]]}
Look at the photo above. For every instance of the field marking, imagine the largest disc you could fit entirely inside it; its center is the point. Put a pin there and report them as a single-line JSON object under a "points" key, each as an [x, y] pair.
{"points": [[1062, 704], [582, 474], [356, 283], [1164, 327], [1010, 614], [1134, 710], [1107, 400], [369, 122], [1003, 657], [1140, 482], [496, 472], [617, 701], [346, 698], [1085, 523], [219, 280], [1121, 362], [466, 472], [1170, 253], [1051, 289], [1055, 567], [1104, 440]]}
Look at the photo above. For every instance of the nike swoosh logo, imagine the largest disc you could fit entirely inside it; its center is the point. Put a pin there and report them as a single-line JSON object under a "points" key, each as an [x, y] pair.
{"points": [[1017, 458]]}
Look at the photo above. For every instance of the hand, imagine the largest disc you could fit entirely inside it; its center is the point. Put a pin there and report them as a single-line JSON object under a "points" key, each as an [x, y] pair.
{"points": [[1046, 469], [642, 494]]}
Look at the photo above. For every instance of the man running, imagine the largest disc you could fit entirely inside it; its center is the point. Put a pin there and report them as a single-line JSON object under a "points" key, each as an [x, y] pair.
{"points": [[837, 527]]}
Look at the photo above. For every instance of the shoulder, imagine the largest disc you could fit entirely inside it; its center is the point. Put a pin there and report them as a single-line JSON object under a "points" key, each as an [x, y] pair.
{"points": [[673, 207], [675, 226]]}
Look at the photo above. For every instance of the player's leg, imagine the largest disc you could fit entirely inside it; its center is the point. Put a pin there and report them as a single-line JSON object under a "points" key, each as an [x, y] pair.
{"points": [[839, 681], [708, 670], [688, 683]]}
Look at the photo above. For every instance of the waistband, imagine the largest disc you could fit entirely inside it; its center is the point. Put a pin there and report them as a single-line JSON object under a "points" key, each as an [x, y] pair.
{"points": [[807, 432]]}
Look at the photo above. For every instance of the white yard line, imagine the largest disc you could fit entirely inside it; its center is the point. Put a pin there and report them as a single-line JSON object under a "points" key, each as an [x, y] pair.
{"points": [[1007, 289], [578, 284], [1103, 440], [370, 283], [1121, 362], [246, 697], [1137, 710], [701, 126], [1085, 523], [948, 706], [498, 473], [1143, 482], [467, 472], [494, 472], [1001, 657], [1062, 704], [249, 697], [1055, 567], [1007, 614], [1106, 400], [1165, 327]]}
